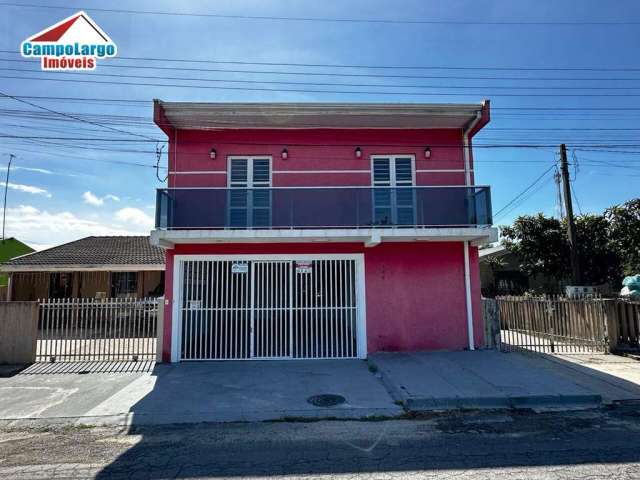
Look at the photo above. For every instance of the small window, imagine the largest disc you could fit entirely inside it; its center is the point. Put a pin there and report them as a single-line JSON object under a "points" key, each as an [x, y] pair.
{"points": [[61, 285], [124, 284]]}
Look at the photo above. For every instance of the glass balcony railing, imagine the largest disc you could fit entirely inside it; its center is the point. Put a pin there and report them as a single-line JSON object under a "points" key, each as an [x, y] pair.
{"points": [[324, 207]]}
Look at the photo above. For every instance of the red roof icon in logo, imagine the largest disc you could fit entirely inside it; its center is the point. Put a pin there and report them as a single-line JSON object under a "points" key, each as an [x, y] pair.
{"points": [[76, 28]]}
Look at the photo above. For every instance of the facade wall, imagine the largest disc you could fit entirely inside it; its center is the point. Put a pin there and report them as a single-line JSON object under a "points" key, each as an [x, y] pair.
{"points": [[415, 292], [317, 157]]}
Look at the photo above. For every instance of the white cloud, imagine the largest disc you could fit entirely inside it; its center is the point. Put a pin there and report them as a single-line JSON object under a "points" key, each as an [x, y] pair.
{"points": [[134, 216], [96, 201], [45, 228], [91, 199], [44, 171], [27, 189]]}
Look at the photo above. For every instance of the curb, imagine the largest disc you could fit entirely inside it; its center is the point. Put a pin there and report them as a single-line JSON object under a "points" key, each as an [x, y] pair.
{"points": [[530, 401], [425, 404]]}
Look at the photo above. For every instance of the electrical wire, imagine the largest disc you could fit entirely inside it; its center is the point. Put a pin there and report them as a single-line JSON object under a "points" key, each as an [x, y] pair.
{"points": [[335, 20]]}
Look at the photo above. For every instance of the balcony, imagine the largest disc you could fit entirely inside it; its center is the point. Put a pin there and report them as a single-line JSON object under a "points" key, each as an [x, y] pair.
{"points": [[273, 213]]}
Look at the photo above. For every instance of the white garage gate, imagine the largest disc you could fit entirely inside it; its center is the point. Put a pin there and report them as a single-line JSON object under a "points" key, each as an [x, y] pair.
{"points": [[268, 307]]}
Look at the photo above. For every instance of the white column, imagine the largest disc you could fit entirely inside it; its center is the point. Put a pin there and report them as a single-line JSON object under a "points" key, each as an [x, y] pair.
{"points": [[9, 285], [467, 288]]}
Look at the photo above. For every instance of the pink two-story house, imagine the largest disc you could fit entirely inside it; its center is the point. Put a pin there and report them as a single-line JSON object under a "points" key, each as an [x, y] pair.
{"points": [[313, 231]]}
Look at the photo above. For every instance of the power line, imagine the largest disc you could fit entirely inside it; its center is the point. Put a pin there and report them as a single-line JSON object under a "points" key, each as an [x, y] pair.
{"points": [[73, 117], [335, 20], [364, 66], [332, 84], [355, 141], [351, 75], [523, 192], [146, 102], [341, 92]]}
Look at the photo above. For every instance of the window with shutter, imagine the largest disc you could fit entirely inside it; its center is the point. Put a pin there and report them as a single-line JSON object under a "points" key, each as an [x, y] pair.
{"points": [[392, 204], [249, 198]]}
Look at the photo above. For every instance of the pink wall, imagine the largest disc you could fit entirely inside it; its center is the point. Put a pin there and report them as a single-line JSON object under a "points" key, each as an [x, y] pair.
{"points": [[315, 150], [414, 291]]}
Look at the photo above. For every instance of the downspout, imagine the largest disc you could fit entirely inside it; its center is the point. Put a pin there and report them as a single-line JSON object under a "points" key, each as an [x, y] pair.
{"points": [[467, 270], [467, 148], [467, 288]]}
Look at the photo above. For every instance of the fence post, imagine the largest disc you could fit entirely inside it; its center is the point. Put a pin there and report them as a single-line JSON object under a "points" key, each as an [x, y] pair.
{"points": [[491, 323], [550, 310], [159, 327], [611, 324]]}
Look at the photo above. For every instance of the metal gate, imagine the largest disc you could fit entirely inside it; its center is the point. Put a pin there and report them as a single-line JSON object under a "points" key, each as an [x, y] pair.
{"points": [[88, 329], [269, 309], [552, 324]]}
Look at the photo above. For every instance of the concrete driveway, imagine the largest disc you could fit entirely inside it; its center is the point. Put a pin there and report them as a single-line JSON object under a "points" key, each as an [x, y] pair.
{"points": [[193, 392]]}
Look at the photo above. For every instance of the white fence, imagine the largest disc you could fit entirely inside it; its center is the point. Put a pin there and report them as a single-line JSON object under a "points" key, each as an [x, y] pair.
{"points": [[86, 329]]}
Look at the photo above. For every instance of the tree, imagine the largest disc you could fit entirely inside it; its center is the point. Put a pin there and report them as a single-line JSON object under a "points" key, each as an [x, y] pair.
{"points": [[599, 260], [542, 247], [540, 244], [624, 233]]}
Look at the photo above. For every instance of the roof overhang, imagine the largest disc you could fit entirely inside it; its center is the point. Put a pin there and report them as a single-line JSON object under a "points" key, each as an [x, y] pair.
{"points": [[369, 236], [82, 268], [171, 116]]}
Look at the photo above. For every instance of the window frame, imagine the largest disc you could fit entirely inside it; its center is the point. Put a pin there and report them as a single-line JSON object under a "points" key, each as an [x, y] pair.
{"points": [[392, 169], [249, 187], [250, 159], [393, 205], [115, 285]]}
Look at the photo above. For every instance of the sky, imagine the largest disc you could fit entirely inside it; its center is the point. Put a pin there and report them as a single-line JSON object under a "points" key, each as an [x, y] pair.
{"points": [[549, 83]]}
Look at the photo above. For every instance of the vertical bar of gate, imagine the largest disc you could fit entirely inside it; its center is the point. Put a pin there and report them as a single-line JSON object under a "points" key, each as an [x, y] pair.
{"points": [[82, 314], [292, 295], [192, 318], [281, 309], [322, 301], [340, 309], [346, 309], [201, 303], [276, 287], [186, 308], [213, 286], [226, 291], [236, 291], [269, 295], [56, 313], [313, 300], [330, 292], [207, 304]]}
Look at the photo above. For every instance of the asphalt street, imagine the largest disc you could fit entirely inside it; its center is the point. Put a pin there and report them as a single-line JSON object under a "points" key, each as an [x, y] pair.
{"points": [[590, 444]]}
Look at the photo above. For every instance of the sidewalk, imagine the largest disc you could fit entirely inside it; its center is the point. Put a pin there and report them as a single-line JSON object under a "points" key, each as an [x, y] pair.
{"points": [[192, 392], [132, 393], [489, 379]]}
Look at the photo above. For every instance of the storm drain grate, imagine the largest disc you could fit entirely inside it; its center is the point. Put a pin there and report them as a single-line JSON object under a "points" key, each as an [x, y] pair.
{"points": [[326, 400]]}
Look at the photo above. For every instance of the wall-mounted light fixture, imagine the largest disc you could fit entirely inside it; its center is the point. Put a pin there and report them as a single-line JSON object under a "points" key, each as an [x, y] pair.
{"points": [[427, 152], [212, 154], [358, 152], [284, 154]]}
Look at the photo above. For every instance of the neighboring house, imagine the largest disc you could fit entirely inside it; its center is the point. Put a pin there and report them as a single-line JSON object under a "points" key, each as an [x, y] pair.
{"points": [[88, 268], [500, 274], [320, 230]]}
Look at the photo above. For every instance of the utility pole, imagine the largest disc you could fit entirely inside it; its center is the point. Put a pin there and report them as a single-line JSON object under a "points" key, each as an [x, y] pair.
{"points": [[568, 208], [6, 187]]}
